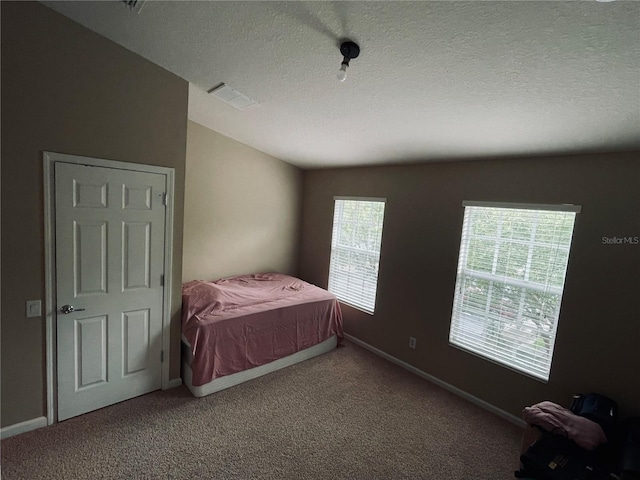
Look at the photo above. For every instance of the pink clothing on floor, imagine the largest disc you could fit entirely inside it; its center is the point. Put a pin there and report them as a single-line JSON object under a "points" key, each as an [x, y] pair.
{"points": [[556, 419]]}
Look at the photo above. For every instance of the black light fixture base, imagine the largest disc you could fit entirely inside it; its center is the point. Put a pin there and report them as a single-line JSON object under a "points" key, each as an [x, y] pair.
{"points": [[349, 50]]}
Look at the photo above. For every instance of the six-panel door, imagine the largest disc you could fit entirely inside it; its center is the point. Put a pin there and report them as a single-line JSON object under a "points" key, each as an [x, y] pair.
{"points": [[109, 266]]}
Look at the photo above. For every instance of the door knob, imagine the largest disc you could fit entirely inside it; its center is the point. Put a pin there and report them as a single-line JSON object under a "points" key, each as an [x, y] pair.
{"points": [[70, 308]]}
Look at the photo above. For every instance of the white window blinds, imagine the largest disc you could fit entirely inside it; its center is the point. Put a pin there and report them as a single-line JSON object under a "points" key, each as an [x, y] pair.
{"points": [[355, 251], [510, 279]]}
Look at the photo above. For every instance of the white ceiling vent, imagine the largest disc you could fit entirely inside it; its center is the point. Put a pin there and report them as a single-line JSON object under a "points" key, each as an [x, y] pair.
{"points": [[134, 5], [232, 97]]}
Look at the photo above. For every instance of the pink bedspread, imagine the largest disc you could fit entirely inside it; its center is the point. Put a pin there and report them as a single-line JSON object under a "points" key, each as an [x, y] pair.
{"points": [[242, 322]]}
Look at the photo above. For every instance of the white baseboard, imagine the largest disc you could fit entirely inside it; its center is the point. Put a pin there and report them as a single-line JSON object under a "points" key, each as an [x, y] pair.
{"points": [[23, 427], [447, 386], [176, 382]]}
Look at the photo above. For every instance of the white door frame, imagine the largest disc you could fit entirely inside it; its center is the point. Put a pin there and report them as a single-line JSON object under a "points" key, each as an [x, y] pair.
{"points": [[49, 159]]}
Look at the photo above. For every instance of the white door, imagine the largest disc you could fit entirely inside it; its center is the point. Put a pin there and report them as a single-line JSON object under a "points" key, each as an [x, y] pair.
{"points": [[109, 268]]}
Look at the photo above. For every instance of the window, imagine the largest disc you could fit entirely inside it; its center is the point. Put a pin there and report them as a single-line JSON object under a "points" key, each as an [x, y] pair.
{"points": [[355, 251], [511, 271]]}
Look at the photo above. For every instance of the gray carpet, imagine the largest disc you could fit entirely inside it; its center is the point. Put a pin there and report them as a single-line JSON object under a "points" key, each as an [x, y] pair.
{"points": [[346, 414]]}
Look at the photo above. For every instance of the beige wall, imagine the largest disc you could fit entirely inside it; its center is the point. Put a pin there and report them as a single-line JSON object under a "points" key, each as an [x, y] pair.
{"points": [[66, 89], [242, 209], [599, 328]]}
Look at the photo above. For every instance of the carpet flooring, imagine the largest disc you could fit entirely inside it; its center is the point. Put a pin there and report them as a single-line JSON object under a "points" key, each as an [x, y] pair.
{"points": [[347, 414]]}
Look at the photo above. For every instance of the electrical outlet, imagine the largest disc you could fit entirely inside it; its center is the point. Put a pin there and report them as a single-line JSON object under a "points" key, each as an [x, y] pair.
{"points": [[412, 342]]}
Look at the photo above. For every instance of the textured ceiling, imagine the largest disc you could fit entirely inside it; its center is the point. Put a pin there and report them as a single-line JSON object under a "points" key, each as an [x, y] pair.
{"points": [[434, 80]]}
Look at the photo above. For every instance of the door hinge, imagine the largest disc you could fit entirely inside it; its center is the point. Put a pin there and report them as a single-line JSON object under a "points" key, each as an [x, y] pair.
{"points": [[161, 356], [162, 280]]}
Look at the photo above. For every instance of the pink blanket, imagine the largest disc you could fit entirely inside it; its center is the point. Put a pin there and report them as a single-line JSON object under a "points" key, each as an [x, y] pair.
{"points": [[556, 419], [242, 322]]}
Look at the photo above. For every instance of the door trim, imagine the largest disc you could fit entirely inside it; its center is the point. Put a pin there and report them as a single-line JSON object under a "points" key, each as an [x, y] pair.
{"points": [[49, 160]]}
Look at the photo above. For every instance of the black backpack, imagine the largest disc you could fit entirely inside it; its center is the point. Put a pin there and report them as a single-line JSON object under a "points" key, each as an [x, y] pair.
{"points": [[554, 457], [597, 408]]}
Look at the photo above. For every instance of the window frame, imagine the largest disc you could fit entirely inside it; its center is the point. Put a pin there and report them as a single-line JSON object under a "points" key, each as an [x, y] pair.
{"points": [[463, 274], [354, 303]]}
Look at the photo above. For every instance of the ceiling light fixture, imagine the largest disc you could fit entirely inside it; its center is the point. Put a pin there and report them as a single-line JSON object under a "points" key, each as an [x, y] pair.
{"points": [[134, 5], [349, 50]]}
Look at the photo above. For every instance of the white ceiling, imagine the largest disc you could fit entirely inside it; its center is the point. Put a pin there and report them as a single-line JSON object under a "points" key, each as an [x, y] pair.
{"points": [[434, 80]]}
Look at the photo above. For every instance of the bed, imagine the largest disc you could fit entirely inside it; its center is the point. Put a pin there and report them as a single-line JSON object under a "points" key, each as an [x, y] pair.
{"points": [[239, 328]]}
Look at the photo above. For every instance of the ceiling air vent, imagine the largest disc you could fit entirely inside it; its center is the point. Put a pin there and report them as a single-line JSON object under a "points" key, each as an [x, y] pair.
{"points": [[134, 5], [232, 97]]}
